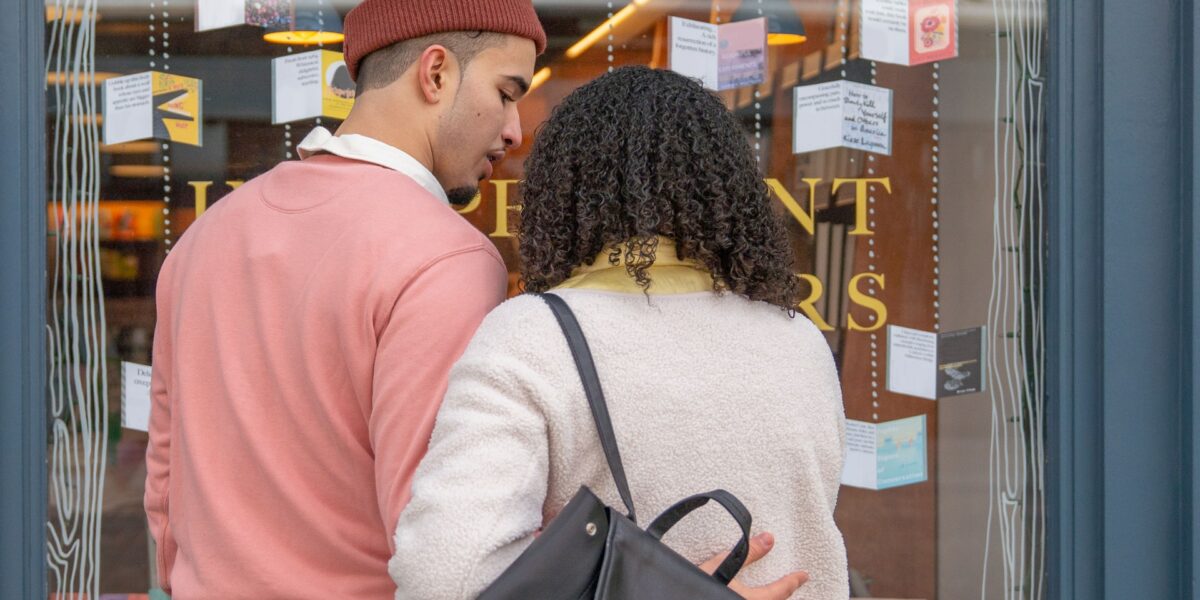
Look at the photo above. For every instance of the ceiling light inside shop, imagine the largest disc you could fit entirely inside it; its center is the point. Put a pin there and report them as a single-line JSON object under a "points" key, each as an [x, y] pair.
{"points": [[603, 30], [784, 26], [61, 78], [307, 26], [70, 15], [137, 171], [130, 148], [539, 78]]}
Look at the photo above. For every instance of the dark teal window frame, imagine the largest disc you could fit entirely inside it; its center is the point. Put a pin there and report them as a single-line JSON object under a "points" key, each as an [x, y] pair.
{"points": [[1122, 314], [1122, 288], [22, 302]]}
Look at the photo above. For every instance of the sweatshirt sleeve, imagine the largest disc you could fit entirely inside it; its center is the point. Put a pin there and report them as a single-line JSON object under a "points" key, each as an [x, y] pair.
{"points": [[158, 453], [433, 319], [478, 496]]}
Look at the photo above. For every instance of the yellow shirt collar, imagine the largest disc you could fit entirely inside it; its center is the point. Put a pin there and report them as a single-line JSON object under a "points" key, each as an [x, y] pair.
{"points": [[668, 275]]}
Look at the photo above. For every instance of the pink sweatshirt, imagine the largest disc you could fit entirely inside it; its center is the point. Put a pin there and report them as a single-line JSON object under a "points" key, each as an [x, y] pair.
{"points": [[306, 327]]}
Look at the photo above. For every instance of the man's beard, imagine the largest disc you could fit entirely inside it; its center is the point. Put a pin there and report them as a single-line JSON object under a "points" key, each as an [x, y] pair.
{"points": [[462, 196]]}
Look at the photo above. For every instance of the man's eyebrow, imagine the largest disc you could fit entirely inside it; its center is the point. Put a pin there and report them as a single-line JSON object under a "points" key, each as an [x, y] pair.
{"points": [[519, 82]]}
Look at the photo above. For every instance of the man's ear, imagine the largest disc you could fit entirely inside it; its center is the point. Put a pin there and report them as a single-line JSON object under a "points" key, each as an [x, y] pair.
{"points": [[434, 68]]}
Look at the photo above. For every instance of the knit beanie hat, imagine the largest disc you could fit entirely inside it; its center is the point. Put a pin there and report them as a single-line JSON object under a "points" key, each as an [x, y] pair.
{"points": [[376, 24]]}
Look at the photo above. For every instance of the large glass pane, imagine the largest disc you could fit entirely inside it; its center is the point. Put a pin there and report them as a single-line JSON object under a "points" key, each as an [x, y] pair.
{"points": [[912, 193]]}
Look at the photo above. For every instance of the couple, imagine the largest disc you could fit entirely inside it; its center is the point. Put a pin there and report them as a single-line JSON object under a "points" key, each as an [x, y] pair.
{"points": [[309, 435]]}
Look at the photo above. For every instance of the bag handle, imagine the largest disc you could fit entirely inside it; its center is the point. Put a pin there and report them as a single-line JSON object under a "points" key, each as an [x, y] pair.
{"points": [[737, 557], [595, 394]]}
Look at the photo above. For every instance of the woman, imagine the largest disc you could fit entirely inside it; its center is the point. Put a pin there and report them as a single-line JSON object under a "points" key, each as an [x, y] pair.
{"points": [[644, 210]]}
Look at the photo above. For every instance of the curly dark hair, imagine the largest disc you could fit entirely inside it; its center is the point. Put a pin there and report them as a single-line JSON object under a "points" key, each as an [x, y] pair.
{"points": [[640, 153]]}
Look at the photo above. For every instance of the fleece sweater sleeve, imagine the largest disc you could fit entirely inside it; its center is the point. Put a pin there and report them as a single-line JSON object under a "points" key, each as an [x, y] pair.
{"points": [[433, 319], [158, 452], [477, 497]]}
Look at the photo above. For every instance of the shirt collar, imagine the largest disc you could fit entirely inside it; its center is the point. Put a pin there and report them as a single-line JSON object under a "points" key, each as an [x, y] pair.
{"points": [[360, 147], [668, 275]]}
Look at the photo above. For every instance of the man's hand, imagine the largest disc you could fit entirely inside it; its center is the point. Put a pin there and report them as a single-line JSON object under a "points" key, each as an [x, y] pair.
{"points": [[780, 589]]}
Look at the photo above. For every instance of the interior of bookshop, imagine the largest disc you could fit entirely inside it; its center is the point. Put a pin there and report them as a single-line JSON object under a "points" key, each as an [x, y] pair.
{"points": [[901, 141]]}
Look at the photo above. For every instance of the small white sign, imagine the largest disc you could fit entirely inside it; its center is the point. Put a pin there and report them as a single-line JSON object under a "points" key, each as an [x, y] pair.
{"points": [[860, 469], [885, 31], [842, 113], [694, 47], [912, 366], [215, 14], [135, 396], [128, 108], [296, 80]]}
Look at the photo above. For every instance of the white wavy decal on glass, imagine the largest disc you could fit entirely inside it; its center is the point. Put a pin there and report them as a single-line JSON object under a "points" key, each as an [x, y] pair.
{"points": [[78, 380], [1016, 354]]}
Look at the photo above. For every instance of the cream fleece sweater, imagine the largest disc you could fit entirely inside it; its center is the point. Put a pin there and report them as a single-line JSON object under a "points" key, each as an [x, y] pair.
{"points": [[705, 391]]}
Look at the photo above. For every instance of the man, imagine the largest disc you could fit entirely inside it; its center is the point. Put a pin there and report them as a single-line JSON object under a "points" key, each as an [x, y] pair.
{"points": [[307, 324]]}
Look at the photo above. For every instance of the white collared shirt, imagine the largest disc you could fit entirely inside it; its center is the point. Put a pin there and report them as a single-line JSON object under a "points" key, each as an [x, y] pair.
{"points": [[366, 149]]}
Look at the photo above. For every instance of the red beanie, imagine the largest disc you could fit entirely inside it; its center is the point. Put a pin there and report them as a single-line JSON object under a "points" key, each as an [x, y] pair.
{"points": [[376, 24]]}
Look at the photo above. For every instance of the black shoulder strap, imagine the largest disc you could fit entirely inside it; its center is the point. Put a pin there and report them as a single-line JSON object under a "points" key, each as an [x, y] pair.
{"points": [[595, 395]]}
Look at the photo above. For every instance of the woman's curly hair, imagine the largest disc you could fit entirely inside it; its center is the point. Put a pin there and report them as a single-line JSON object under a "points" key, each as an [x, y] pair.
{"points": [[640, 153]]}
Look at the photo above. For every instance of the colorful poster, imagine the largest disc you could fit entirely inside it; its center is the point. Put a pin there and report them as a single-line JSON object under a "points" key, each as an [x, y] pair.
{"points": [[216, 14], [880, 456], [900, 453], [909, 32], [269, 13], [177, 109], [962, 362], [742, 58], [842, 113], [722, 57], [337, 93], [310, 84], [153, 105]]}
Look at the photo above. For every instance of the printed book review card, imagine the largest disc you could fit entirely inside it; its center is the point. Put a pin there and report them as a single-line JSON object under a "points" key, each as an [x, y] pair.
{"points": [[722, 57], [909, 32], [932, 365], [153, 105], [310, 84], [885, 455]]}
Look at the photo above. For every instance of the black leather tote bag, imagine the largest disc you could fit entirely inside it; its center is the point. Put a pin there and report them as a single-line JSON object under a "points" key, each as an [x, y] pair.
{"points": [[592, 551]]}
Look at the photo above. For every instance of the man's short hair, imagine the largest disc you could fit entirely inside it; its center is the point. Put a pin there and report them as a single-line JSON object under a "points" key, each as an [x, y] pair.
{"points": [[384, 66]]}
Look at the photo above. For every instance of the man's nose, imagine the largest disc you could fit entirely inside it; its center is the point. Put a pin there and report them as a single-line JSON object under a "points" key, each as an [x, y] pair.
{"points": [[512, 131]]}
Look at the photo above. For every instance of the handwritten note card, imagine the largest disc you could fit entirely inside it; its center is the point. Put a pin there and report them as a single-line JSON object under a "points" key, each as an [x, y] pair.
{"points": [[843, 113]]}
